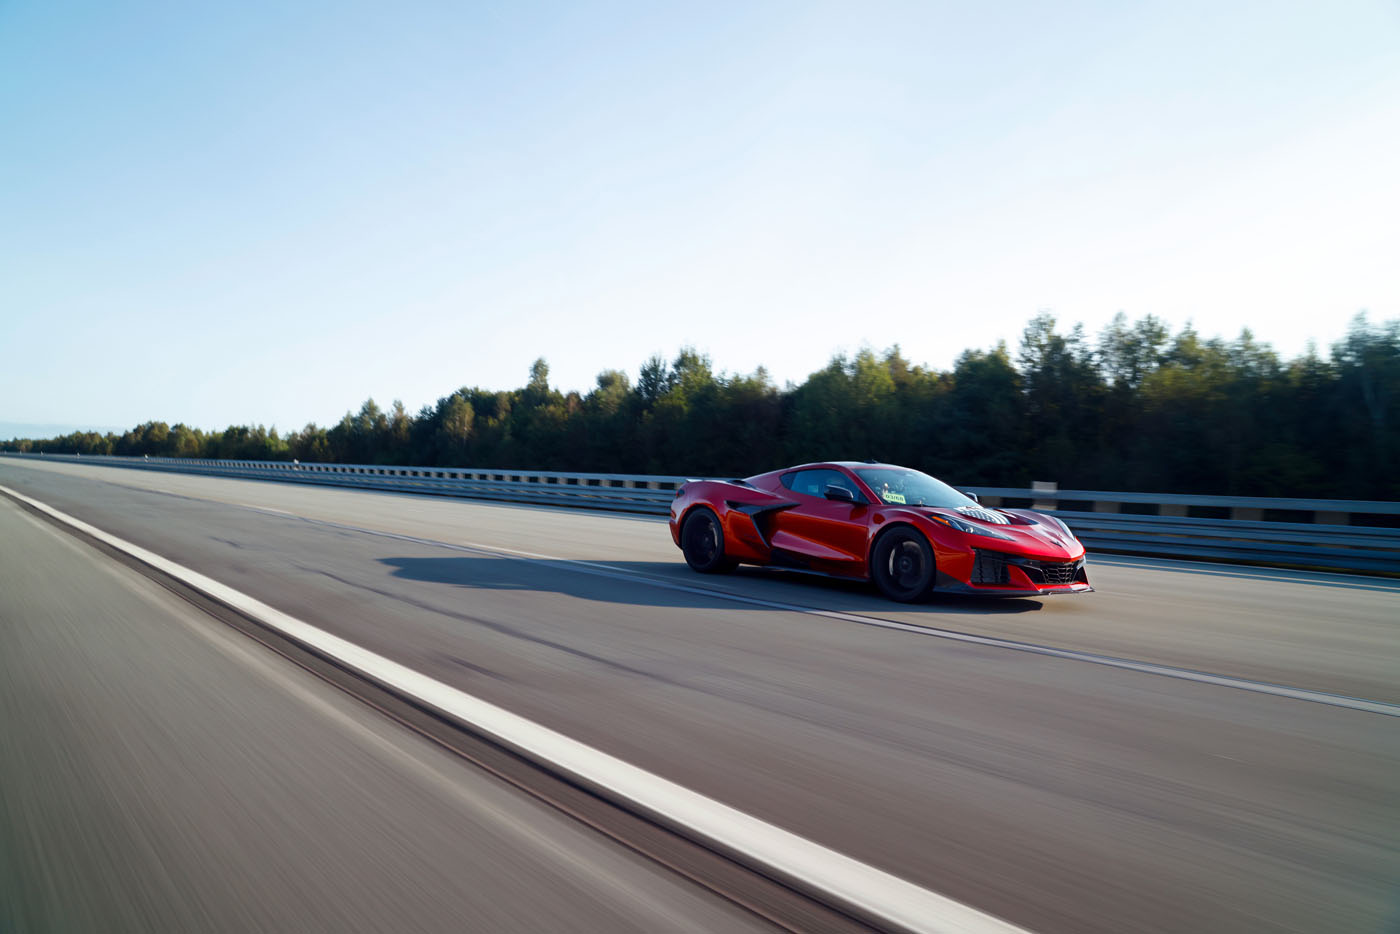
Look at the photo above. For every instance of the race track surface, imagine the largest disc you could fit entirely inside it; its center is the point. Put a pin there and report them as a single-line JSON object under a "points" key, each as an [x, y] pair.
{"points": [[1059, 793]]}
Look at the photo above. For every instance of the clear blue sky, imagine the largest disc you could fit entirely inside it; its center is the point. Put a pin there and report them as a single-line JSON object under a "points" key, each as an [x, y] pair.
{"points": [[266, 212]]}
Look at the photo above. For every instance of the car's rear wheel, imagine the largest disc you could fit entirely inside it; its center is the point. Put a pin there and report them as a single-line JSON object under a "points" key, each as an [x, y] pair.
{"points": [[702, 542], [902, 565]]}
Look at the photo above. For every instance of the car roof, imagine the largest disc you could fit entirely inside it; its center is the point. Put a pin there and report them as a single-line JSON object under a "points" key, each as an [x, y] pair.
{"points": [[850, 465], [817, 465], [773, 475]]}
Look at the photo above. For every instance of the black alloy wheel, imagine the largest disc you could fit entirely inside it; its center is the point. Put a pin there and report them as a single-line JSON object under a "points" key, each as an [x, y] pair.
{"points": [[702, 542], [902, 565]]}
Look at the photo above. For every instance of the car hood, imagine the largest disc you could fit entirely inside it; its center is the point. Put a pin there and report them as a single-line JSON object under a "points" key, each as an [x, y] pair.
{"points": [[1028, 533]]}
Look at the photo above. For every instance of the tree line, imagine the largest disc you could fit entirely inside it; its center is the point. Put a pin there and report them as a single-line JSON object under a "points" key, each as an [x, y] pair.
{"points": [[1133, 408]]}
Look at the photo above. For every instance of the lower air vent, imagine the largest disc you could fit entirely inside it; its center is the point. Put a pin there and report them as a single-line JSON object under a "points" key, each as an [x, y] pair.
{"points": [[989, 568]]}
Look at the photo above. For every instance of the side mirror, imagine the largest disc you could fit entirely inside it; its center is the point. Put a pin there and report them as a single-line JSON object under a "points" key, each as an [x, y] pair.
{"points": [[839, 493], [971, 496]]}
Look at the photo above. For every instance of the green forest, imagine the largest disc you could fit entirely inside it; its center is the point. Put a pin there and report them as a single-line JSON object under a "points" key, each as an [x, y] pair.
{"points": [[1134, 408]]}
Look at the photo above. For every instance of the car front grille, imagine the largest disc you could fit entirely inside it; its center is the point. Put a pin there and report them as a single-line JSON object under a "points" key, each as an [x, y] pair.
{"points": [[1059, 573], [991, 567], [1047, 572]]}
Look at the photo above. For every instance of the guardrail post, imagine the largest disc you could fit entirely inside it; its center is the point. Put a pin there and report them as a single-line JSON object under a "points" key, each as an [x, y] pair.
{"points": [[1332, 518], [1246, 514], [1171, 509], [1044, 486], [1108, 507]]}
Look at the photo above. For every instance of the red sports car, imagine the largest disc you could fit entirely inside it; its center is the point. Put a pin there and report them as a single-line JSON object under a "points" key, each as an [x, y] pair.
{"points": [[913, 535]]}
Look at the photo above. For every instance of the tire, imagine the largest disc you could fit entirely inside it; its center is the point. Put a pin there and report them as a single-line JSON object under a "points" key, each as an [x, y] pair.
{"points": [[702, 542], [902, 565]]}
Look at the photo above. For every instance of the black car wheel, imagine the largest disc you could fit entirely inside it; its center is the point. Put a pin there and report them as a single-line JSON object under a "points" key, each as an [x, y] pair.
{"points": [[902, 565], [702, 541]]}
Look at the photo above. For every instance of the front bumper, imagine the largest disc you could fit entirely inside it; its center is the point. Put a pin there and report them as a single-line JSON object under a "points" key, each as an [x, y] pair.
{"points": [[997, 573], [947, 584]]}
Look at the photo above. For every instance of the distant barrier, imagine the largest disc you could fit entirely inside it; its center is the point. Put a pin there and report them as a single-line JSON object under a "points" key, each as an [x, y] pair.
{"points": [[1258, 530]]}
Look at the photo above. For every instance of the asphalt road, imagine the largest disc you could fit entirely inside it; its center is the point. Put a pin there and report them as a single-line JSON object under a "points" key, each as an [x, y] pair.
{"points": [[163, 773], [1059, 794]]}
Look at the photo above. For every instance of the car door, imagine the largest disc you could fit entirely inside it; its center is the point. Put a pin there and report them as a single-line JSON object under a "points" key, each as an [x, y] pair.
{"points": [[819, 533]]}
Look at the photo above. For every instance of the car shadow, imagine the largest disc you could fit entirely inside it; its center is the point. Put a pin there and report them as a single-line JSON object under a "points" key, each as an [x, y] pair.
{"points": [[669, 584]]}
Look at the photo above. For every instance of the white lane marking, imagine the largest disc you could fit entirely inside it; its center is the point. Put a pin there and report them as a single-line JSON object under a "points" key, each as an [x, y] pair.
{"points": [[1110, 661], [280, 512], [893, 900]]}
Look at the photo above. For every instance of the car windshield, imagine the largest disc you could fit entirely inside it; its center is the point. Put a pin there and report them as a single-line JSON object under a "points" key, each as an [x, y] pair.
{"points": [[901, 486]]}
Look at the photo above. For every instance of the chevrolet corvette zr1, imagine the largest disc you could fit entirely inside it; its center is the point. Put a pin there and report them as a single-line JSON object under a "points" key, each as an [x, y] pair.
{"points": [[911, 534]]}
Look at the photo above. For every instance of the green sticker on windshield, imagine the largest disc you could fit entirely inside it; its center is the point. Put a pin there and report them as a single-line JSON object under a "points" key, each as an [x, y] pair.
{"points": [[893, 497]]}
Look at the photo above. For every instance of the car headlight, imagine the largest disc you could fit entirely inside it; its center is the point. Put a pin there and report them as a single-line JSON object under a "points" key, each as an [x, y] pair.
{"points": [[962, 525]]}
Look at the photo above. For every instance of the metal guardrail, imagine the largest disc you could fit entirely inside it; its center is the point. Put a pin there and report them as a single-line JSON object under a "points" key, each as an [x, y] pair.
{"points": [[1328, 542], [1330, 511], [624, 493]]}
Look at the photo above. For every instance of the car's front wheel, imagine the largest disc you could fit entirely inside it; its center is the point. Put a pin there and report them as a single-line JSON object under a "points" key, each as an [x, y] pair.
{"points": [[702, 542], [902, 565]]}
